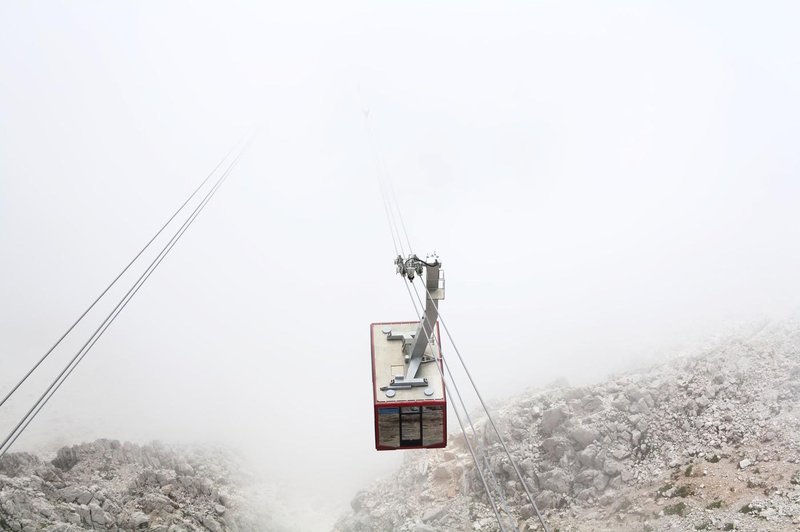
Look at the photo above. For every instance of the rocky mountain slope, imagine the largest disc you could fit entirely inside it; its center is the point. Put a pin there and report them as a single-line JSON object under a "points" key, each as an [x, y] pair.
{"points": [[706, 441], [108, 485]]}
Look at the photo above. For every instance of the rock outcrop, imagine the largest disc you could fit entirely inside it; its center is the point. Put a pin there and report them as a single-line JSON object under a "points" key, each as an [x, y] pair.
{"points": [[709, 441], [108, 485]]}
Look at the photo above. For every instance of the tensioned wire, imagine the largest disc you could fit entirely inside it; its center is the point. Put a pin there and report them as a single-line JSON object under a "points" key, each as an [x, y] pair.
{"points": [[390, 205], [472, 382], [503, 505], [394, 230], [489, 417], [380, 174], [70, 367], [400, 216], [385, 183], [474, 457], [125, 269]]}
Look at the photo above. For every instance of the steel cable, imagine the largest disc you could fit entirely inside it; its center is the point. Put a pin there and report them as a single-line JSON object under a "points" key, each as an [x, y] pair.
{"points": [[503, 504], [400, 216], [70, 367], [491, 421], [431, 334], [393, 229], [125, 269], [381, 177]]}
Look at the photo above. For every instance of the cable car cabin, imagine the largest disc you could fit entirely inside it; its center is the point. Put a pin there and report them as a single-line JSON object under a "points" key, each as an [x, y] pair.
{"points": [[408, 390]]}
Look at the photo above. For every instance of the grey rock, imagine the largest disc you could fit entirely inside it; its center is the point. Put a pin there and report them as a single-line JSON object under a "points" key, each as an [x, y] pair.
{"points": [[546, 499], [592, 404], [551, 419], [556, 447], [620, 403], [211, 524], [139, 520], [556, 481], [106, 485], [184, 469], [600, 482], [98, 516], [587, 455], [84, 496], [433, 514], [612, 467], [583, 436]]}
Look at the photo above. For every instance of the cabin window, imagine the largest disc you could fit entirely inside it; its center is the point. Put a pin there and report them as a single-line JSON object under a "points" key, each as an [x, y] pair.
{"points": [[432, 425], [389, 427], [410, 426]]}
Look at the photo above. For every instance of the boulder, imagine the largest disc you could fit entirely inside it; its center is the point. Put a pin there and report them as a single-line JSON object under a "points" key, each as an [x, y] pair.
{"points": [[556, 481], [583, 435], [552, 419]]}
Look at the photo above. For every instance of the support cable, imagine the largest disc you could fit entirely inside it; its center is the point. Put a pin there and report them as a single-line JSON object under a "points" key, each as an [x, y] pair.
{"points": [[389, 219], [475, 460], [400, 216], [503, 505], [125, 269], [483, 404], [428, 325], [381, 177], [393, 229], [431, 335], [491, 421], [391, 198], [70, 367], [487, 464]]}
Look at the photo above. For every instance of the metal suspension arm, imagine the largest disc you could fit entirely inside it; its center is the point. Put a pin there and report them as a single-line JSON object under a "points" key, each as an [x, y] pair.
{"points": [[415, 344]]}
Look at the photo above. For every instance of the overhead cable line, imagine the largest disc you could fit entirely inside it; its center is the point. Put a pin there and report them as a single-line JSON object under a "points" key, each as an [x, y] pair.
{"points": [[70, 367], [477, 392], [475, 459], [394, 230], [389, 220], [493, 504], [498, 488], [430, 334], [107, 288], [400, 216], [381, 177], [491, 421]]}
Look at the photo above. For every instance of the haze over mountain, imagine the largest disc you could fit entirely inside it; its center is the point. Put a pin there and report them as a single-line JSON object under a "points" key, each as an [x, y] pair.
{"points": [[606, 185]]}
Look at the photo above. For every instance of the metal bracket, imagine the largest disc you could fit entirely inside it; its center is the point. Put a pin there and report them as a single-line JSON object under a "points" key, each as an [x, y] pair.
{"points": [[413, 265], [406, 382], [415, 343]]}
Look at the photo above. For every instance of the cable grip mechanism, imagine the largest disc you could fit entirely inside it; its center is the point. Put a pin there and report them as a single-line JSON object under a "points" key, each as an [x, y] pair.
{"points": [[413, 266]]}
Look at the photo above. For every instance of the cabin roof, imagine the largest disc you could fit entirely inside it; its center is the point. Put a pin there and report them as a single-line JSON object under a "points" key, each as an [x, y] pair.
{"points": [[388, 362]]}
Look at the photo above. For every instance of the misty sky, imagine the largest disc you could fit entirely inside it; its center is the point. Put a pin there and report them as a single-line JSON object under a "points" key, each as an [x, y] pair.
{"points": [[604, 183]]}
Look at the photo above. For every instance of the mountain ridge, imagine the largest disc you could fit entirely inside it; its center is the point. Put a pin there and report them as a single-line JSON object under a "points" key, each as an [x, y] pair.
{"points": [[709, 441]]}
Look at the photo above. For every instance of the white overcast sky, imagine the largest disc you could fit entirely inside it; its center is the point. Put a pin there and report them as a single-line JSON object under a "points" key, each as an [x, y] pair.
{"points": [[604, 182]]}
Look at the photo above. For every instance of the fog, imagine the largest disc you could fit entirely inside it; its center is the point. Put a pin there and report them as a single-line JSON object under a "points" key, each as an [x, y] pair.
{"points": [[605, 184]]}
